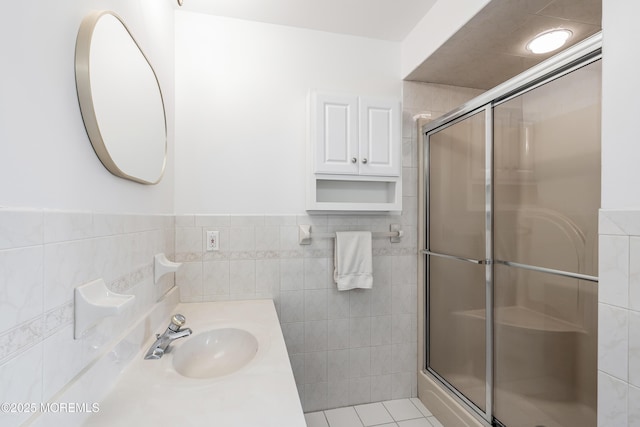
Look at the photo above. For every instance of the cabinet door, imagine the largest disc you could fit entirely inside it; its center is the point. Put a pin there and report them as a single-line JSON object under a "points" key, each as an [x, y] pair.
{"points": [[379, 147], [336, 133]]}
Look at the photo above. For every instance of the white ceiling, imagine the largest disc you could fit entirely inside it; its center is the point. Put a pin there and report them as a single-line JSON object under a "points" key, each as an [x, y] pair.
{"points": [[379, 19], [487, 51]]}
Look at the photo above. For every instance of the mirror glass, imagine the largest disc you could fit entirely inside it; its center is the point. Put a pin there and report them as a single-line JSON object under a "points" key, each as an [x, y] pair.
{"points": [[120, 100]]}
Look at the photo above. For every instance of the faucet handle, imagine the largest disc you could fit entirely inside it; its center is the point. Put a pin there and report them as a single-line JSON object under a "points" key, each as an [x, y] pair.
{"points": [[177, 321]]}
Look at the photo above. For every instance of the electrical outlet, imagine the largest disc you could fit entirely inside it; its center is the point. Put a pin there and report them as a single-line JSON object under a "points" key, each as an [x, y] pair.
{"points": [[213, 243]]}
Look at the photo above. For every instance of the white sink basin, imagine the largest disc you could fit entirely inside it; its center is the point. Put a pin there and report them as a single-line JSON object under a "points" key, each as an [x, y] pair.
{"points": [[215, 353], [251, 370]]}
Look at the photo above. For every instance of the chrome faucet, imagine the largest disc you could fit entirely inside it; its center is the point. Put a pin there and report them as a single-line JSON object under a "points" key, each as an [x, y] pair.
{"points": [[173, 332]]}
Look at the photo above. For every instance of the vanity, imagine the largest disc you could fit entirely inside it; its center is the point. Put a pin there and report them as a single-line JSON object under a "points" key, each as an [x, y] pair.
{"points": [[232, 371]]}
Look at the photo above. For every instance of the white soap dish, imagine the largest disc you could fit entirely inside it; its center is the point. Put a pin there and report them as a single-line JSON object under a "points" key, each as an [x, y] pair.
{"points": [[93, 302], [162, 266]]}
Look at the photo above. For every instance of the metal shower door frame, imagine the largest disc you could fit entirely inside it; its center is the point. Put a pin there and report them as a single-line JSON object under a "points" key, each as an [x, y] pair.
{"points": [[577, 56]]}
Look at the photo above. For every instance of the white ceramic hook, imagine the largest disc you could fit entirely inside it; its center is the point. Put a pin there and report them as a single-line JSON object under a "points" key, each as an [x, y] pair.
{"points": [[162, 266], [304, 234], [93, 302]]}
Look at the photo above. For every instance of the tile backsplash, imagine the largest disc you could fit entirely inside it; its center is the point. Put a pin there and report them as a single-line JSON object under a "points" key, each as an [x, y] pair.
{"points": [[619, 319], [44, 255], [346, 347]]}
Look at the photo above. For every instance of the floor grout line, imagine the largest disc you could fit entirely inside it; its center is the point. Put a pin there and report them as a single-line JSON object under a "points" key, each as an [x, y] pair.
{"points": [[358, 415], [422, 415]]}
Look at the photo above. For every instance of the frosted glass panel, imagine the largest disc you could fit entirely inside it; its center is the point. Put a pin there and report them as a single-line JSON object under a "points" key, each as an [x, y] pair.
{"points": [[547, 174], [456, 189], [546, 199], [457, 342], [545, 349]]}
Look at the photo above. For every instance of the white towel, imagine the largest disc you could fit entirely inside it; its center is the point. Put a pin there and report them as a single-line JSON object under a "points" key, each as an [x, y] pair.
{"points": [[353, 267]]}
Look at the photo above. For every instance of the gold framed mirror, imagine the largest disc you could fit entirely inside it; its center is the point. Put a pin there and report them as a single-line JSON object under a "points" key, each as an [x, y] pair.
{"points": [[120, 99]]}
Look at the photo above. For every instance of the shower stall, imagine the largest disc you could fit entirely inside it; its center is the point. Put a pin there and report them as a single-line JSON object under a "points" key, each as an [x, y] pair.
{"points": [[511, 192]]}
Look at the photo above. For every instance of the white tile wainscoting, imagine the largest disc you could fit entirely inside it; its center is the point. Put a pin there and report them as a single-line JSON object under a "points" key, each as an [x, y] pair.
{"points": [[44, 255], [345, 348], [619, 319]]}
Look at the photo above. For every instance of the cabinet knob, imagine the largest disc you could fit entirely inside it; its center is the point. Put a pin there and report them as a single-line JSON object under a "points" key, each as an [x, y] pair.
{"points": [[364, 160], [353, 160]]}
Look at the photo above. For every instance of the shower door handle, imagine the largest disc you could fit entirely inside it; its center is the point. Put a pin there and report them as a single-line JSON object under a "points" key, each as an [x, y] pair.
{"points": [[546, 270], [457, 258]]}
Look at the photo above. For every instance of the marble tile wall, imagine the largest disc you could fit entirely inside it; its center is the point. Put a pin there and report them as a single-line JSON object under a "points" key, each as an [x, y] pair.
{"points": [[619, 319], [44, 255]]}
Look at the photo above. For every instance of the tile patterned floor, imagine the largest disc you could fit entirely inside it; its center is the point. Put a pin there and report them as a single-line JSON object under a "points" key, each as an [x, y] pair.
{"points": [[392, 413]]}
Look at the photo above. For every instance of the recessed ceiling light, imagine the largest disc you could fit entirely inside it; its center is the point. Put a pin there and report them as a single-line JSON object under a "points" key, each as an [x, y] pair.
{"points": [[549, 41]]}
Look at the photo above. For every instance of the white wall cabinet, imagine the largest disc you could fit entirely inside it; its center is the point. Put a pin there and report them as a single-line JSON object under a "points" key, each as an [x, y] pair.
{"points": [[356, 135], [380, 134], [335, 133], [355, 153]]}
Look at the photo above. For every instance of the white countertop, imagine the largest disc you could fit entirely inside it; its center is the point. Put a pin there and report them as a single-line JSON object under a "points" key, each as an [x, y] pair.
{"points": [[261, 394]]}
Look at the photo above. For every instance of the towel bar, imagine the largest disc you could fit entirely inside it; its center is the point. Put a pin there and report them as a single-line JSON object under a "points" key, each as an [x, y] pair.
{"points": [[305, 235]]}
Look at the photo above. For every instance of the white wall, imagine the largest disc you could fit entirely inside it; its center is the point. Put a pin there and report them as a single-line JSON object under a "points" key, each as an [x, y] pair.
{"points": [[241, 93], [442, 21], [620, 107], [46, 159]]}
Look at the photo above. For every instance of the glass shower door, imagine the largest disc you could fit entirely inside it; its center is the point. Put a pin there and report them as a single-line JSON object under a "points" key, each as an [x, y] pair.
{"points": [[512, 198], [546, 200], [455, 263]]}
